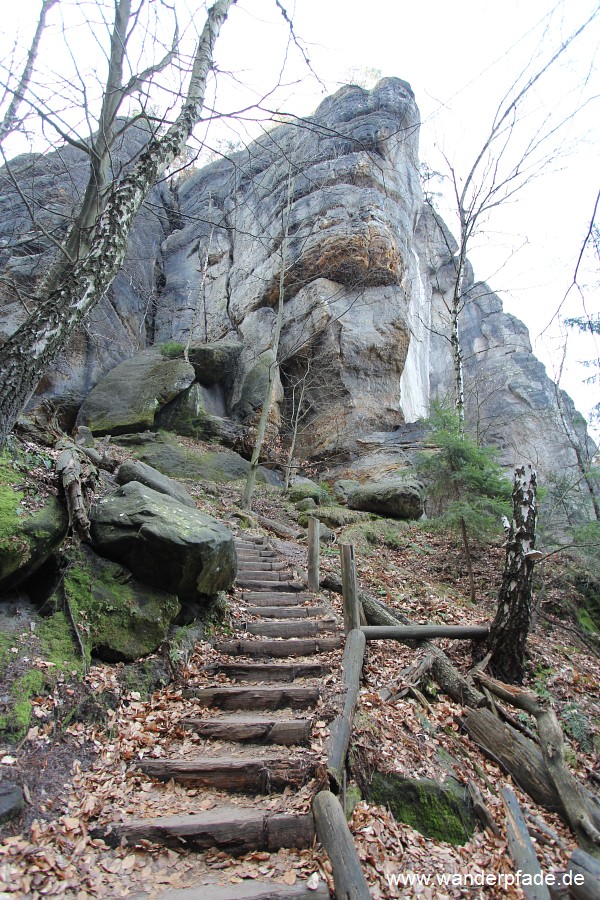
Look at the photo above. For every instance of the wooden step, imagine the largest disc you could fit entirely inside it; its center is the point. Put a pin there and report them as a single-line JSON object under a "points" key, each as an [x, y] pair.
{"points": [[275, 598], [279, 672], [288, 612], [232, 828], [268, 584], [252, 775], [261, 574], [248, 890], [271, 697], [255, 729], [251, 545], [257, 555], [303, 628], [280, 649], [260, 565]]}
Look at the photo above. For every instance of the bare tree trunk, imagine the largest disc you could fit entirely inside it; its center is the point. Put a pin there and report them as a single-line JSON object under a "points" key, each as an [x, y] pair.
{"points": [[26, 355], [508, 634]]}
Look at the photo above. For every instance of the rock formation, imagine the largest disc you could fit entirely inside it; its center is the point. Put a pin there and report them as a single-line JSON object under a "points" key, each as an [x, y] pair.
{"points": [[366, 268]]}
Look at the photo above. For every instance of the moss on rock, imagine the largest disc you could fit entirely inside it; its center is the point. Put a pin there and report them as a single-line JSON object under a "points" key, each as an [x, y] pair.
{"points": [[441, 812], [26, 539], [119, 618]]}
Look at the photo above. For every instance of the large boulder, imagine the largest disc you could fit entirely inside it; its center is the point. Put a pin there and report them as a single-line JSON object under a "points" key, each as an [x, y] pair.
{"points": [[216, 363], [124, 619], [135, 470], [128, 398], [27, 539], [165, 544], [399, 498]]}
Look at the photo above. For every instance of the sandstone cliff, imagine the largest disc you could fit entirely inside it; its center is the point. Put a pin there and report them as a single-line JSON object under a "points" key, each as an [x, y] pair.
{"points": [[366, 272]]}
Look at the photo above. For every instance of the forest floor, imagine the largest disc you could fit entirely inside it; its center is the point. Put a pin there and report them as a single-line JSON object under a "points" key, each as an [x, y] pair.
{"points": [[77, 776]]}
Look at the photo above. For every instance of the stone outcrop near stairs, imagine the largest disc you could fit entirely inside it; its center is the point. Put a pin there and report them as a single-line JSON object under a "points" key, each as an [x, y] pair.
{"points": [[367, 271]]}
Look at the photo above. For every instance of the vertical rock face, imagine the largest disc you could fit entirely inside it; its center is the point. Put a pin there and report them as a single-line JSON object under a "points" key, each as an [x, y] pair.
{"points": [[331, 207]]}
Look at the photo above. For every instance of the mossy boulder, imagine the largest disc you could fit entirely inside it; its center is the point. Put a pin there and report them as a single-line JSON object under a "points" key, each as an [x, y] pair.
{"points": [[170, 456], [128, 397], [121, 619], [216, 362], [344, 487], [300, 490], [339, 516], [306, 504], [442, 812], [165, 544], [26, 539], [136, 470], [398, 498]]}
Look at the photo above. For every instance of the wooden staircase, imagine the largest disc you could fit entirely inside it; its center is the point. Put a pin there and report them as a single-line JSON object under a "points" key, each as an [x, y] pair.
{"points": [[265, 713]]}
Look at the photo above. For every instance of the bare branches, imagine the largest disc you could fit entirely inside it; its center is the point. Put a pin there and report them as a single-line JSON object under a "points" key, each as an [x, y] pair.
{"points": [[10, 120]]}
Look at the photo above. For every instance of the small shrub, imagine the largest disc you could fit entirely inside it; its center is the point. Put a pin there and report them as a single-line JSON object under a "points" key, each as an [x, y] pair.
{"points": [[172, 350]]}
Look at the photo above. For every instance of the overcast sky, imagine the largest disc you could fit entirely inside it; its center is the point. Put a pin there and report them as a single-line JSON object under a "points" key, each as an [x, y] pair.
{"points": [[460, 58]]}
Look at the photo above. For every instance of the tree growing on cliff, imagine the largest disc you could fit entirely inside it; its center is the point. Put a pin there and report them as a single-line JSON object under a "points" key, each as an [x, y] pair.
{"points": [[508, 159]]}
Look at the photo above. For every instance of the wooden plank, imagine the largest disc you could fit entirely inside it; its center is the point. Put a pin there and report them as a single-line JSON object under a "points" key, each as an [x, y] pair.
{"points": [[424, 632], [260, 565], [280, 672], [289, 629], [280, 649], [288, 612], [265, 584], [250, 890], [334, 834], [341, 727], [256, 730], [233, 774], [583, 876], [313, 554], [275, 598], [349, 588], [257, 697], [259, 575], [231, 828], [522, 850]]}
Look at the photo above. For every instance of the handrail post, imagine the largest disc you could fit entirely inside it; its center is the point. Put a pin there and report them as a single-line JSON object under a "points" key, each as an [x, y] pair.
{"points": [[313, 554], [349, 588]]}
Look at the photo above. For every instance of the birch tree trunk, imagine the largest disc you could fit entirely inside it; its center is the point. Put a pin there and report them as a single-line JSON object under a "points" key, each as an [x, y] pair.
{"points": [[508, 634], [26, 355]]}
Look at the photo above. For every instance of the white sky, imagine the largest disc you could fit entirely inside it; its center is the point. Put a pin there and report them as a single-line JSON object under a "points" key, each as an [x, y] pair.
{"points": [[460, 59]]}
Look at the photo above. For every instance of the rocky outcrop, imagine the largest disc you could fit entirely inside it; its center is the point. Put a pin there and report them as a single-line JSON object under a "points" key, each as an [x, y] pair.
{"points": [[164, 544], [367, 269]]}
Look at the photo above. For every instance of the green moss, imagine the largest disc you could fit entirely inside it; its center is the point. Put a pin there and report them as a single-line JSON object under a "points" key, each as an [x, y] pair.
{"points": [[172, 350], [14, 549], [58, 643], [439, 812], [586, 621]]}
